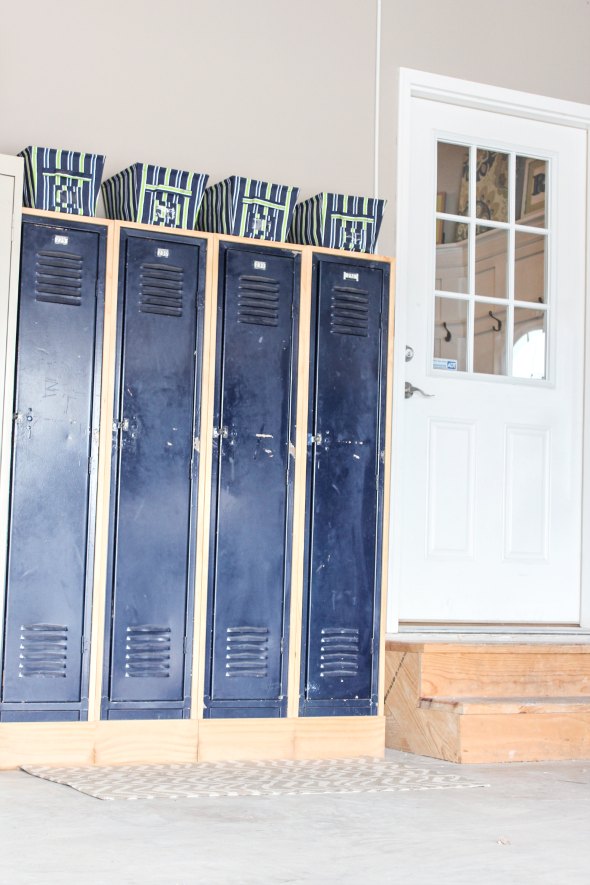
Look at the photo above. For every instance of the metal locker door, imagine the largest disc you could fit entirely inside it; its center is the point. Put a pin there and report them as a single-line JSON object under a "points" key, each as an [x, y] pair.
{"points": [[149, 640], [347, 402], [52, 507], [251, 509]]}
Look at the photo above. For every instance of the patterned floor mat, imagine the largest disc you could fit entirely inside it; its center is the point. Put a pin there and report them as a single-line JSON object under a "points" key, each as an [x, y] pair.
{"points": [[225, 779]]}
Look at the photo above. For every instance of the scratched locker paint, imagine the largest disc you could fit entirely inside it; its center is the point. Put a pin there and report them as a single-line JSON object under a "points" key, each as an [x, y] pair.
{"points": [[253, 480], [345, 488], [155, 473], [53, 487]]}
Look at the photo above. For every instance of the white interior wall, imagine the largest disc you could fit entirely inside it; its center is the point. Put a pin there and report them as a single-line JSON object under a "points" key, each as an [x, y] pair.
{"points": [[538, 46], [272, 89]]}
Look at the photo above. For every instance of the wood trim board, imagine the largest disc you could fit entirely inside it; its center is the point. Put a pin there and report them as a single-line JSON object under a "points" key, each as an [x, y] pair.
{"points": [[11, 167], [142, 742]]}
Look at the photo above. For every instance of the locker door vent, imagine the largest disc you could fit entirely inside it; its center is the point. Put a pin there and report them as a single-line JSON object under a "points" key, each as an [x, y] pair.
{"points": [[43, 650], [350, 312], [160, 289], [258, 301], [247, 652], [147, 651], [339, 653], [58, 278]]}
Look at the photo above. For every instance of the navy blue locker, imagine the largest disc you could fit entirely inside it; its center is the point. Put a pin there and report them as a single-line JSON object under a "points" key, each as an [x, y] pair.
{"points": [[344, 503], [53, 488], [154, 487], [249, 565]]}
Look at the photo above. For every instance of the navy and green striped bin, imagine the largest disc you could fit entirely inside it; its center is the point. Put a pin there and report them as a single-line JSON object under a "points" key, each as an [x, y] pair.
{"points": [[154, 195], [337, 221], [61, 181], [246, 207]]}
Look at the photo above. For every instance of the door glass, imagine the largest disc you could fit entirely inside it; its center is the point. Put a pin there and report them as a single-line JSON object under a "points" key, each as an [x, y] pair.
{"points": [[529, 271], [452, 265], [450, 334], [489, 339], [491, 189], [452, 179], [489, 263], [530, 347], [531, 185]]}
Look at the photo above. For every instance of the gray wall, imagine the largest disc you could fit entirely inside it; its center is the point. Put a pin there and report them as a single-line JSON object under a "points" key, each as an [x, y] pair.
{"points": [[263, 88], [272, 88]]}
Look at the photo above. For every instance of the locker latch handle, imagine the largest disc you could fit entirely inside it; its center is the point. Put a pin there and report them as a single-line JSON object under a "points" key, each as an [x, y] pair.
{"points": [[314, 438], [222, 432]]}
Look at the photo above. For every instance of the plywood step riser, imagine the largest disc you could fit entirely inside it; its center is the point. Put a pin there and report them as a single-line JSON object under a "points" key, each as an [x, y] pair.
{"points": [[530, 737], [489, 674]]}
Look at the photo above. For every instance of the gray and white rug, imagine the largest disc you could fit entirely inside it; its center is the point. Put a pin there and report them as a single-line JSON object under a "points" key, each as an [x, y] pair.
{"points": [[225, 779]]}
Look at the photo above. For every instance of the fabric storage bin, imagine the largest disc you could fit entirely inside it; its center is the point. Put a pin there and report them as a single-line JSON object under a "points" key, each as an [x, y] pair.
{"points": [[154, 195], [245, 207], [337, 221], [61, 181]]}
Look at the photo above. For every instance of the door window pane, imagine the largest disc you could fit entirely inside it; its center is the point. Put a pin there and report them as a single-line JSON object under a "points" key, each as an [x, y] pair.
{"points": [[487, 264], [529, 269], [529, 356], [450, 334], [452, 178], [531, 186], [491, 188], [491, 262], [452, 266], [489, 342]]}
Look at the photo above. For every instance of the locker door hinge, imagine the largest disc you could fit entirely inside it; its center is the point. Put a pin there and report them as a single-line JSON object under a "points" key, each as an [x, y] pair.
{"points": [[222, 432], [90, 459], [185, 645], [372, 646], [282, 645], [85, 645]]}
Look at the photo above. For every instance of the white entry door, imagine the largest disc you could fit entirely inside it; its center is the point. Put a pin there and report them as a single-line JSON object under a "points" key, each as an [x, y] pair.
{"points": [[488, 497]]}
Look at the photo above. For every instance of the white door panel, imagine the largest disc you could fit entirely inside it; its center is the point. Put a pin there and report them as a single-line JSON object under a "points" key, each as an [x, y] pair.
{"points": [[488, 495]]}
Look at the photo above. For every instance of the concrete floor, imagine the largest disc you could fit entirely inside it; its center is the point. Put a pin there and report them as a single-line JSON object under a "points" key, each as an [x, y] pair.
{"points": [[532, 825]]}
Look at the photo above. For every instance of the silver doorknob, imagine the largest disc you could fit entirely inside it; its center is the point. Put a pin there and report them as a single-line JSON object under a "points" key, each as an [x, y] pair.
{"points": [[410, 390], [409, 353]]}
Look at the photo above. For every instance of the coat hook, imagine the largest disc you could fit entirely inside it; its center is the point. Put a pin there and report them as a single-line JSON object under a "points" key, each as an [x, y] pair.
{"points": [[448, 336], [497, 328]]}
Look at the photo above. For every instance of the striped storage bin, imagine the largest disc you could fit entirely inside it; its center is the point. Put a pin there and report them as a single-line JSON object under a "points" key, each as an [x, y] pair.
{"points": [[338, 222], [61, 181], [154, 195], [244, 207]]}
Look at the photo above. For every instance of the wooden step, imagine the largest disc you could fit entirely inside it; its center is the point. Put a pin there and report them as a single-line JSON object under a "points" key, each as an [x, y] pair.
{"points": [[480, 703], [509, 670]]}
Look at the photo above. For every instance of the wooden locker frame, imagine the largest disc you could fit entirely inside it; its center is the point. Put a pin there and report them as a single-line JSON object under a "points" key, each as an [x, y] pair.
{"points": [[123, 742], [12, 167]]}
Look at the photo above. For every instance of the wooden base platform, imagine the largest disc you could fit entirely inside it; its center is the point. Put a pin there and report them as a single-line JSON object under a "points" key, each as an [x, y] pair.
{"points": [[488, 702], [190, 740]]}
